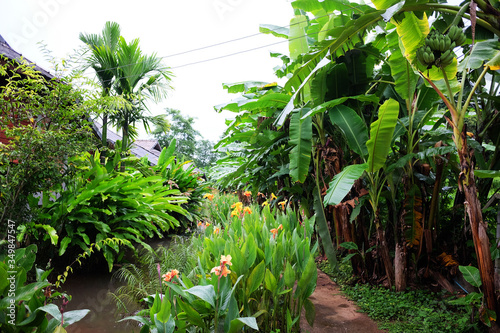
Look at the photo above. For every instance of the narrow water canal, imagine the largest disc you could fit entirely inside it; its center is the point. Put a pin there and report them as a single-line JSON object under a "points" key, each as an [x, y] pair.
{"points": [[90, 290]]}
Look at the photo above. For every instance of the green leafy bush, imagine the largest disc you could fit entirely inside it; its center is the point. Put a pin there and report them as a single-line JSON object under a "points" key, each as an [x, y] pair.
{"points": [[102, 203], [182, 176]]}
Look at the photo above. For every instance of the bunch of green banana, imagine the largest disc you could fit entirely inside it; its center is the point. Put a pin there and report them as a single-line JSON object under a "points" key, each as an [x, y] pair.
{"points": [[456, 35], [438, 48], [425, 56]]}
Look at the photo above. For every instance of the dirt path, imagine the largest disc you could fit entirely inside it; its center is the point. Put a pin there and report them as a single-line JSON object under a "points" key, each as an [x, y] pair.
{"points": [[334, 312]]}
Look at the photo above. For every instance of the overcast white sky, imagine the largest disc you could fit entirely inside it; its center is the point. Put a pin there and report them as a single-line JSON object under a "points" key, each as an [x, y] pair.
{"points": [[165, 27]]}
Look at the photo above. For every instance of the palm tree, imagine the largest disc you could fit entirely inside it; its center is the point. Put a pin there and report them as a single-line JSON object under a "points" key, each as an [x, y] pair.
{"points": [[124, 70], [139, 78], [103, 60]]}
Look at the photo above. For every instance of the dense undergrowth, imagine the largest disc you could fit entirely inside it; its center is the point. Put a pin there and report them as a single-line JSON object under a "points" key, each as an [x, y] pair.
{"points": [[408, 311]]}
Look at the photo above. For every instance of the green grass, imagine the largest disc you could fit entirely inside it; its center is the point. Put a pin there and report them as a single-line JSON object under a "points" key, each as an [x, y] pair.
{"points": [[409, 311]]}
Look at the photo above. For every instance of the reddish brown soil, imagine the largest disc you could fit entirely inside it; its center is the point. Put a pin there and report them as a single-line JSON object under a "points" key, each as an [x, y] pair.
{"points": [[334, 312]]}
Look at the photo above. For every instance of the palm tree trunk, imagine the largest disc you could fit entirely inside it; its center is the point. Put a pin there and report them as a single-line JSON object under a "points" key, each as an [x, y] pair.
{"points": [[478, 226], [125, 135]]}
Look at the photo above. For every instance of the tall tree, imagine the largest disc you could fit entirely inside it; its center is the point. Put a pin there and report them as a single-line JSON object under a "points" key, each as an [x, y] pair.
{"points": [[190, 144], [103, 60], [123, 69]]}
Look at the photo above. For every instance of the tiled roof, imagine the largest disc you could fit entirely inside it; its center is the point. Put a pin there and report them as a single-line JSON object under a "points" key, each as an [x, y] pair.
{"points": [[8, 52], [140, 148]]}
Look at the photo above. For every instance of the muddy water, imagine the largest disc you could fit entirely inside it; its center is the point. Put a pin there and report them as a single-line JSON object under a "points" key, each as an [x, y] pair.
{"points": [[90, 291]]}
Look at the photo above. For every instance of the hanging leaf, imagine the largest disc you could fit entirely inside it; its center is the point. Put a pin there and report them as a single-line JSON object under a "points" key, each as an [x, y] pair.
{"points": [[353, 127], [471, 275], [381, 132], [301, 139], [413, 217], [323, 230], [297, 37], [274, 30], [342, 183]]}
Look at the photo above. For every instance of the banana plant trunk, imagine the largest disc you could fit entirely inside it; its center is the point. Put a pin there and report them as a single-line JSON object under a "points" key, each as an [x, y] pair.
{"points": [[384, 253], [478, 226], [400, 267]]}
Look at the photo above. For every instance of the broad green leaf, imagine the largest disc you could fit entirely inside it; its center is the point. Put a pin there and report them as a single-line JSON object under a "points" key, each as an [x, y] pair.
{"points": [[481, 51], [250, 250], [373, 99], [323, 229], [412, 32], [237, 324], [297, 36], [310, 311], [319, 58], [166, 153], [255, 279], [384, 4], [349, 246], [487, 173], [352, 126], [50, 231], [381, 132], [494, 63], [206, 293], [164, 314], [72, 317], [289, 275], [301, 139], [191, 314], [342, 183], [471, 275], [270, 281], [275, 30], [307, 274]]}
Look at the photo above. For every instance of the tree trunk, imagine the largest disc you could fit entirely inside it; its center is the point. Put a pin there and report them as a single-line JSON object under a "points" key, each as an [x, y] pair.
{"points": [[478, 226], [384, 254], [400, 267]]}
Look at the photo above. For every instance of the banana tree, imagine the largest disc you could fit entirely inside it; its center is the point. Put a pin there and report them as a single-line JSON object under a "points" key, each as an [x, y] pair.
{"points": [[467, 182]]}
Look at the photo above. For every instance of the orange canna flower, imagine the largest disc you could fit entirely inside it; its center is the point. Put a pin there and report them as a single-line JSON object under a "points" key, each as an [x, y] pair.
{"points": [[273, 197], [237, 206], [226, 260], [234, 213], [216, 230], [209, 196], [216, 270], [274, 232], [247, 193], [225, 271], [265, 203], [167, 277], [200, 224], [283, 204], [280, 227], [247, 210], [261, 194], [207, 224]]}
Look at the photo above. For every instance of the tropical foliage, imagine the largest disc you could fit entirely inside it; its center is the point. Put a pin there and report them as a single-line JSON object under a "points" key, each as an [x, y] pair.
{"points": [[247, 269], [45, 128], [375, 142]]}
